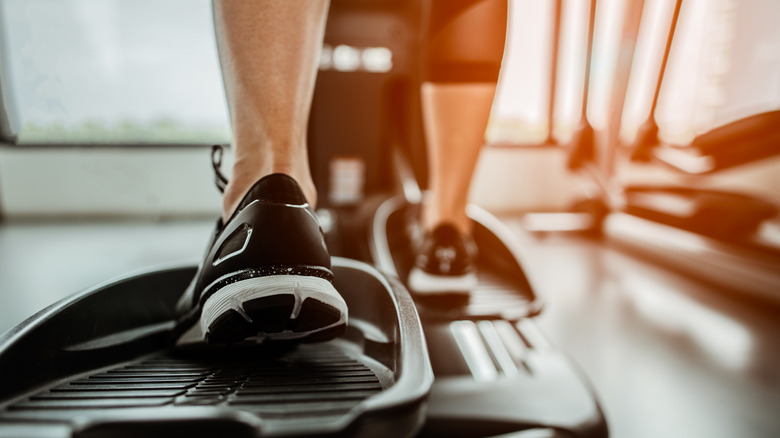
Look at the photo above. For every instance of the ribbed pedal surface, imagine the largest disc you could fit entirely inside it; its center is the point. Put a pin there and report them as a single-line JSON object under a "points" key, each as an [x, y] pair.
{"points": [[308, 380]]}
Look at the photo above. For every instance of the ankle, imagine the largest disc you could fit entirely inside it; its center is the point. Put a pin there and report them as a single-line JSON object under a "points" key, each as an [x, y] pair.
{"points": [[242, 180], [431, 218]]}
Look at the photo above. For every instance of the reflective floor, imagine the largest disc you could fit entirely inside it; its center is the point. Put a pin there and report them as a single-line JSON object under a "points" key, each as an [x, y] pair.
{"points": [[668, 356]]}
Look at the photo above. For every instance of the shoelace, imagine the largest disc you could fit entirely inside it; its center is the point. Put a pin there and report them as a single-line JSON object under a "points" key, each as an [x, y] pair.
{"points": [[217, 152]]}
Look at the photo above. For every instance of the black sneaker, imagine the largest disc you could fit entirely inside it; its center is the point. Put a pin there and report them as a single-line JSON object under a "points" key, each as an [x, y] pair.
{"points": [[444, 264], [266, 274]]}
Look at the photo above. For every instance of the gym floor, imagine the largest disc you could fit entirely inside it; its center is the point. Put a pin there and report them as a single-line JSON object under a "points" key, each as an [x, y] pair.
{"points": [[668, 356]]}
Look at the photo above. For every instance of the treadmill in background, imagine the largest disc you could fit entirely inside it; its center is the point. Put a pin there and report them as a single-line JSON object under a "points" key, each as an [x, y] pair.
{"points": [[730, 237], [727, 237]]}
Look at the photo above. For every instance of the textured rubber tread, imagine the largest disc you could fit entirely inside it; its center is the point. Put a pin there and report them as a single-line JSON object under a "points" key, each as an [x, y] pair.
{"points": [[270, 314], [315, 314], [229, 327]]}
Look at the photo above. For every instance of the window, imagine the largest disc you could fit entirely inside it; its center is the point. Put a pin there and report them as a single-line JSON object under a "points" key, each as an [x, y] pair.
{"points": [[146, 71], [113, 71], [724, 64]]}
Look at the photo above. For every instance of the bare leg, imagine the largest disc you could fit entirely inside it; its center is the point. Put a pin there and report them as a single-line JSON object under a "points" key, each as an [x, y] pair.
{"points": [[269, 53], [455, 116], [267, 272], [460, 71]]}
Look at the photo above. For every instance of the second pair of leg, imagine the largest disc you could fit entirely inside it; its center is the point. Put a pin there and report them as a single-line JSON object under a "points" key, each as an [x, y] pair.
{"points": [[461, 59]]}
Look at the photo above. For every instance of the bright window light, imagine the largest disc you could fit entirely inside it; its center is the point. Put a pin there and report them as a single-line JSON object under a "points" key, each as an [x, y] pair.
{"points": [[148, 71], [572, 56], [115, 71], [646, 66], [606, 38], [377, 59], [346, 58], [520, 110]]}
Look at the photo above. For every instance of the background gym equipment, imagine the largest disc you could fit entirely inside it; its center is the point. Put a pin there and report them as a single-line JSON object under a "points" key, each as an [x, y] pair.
{"points": [[726, 236]]}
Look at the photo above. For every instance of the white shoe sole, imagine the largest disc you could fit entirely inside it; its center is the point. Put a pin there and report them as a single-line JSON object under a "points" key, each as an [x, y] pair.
{"points": [[297, 307], [423, 283]]}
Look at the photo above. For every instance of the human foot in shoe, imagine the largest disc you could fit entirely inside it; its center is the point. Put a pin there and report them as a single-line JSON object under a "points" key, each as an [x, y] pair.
{"points": [[267, 273], [444, 263]]}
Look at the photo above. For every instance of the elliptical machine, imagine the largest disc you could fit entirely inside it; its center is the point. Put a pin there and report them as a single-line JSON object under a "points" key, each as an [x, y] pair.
{"points": [[104, 362]]}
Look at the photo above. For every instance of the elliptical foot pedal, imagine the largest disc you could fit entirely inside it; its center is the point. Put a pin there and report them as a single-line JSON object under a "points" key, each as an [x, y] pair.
{"points": [[502, 289], [496, 373], [103, 363]]}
